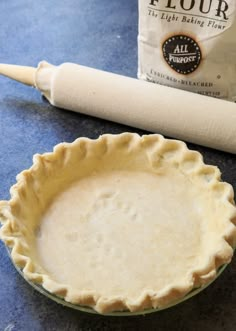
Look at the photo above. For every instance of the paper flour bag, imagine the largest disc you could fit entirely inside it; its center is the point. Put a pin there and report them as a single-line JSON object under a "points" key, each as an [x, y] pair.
{"points": [[189, 44]]}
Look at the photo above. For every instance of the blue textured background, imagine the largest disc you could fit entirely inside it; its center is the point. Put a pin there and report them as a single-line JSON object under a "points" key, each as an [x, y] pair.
{"points": [[100, 34]]}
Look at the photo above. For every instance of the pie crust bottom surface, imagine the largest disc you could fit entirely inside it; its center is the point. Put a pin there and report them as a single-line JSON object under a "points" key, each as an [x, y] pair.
{"points": [[116, 229]]}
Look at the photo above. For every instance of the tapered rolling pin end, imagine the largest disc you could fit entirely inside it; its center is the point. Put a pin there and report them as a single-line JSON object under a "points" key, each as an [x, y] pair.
{"points": [[22, 74]]}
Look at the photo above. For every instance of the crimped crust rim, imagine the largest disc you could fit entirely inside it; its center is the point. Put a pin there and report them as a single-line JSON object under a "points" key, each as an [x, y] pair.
{"points": [[158, 148]]}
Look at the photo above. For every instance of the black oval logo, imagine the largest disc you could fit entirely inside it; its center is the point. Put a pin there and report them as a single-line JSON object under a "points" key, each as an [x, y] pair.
{"points": [[182, 53]]}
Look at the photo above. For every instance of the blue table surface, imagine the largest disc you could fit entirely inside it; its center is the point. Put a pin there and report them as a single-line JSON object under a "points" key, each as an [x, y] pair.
{"points": [[103, 35]]}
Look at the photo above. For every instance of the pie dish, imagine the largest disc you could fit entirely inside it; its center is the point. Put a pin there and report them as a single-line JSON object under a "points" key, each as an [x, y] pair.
{"points": [[120, 223]]}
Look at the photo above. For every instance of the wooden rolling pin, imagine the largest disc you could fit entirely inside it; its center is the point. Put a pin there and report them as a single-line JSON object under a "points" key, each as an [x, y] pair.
{"points": [[176, 113]]}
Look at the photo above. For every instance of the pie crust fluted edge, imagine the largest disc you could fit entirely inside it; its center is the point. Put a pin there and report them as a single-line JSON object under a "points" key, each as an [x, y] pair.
{"points": [[158, 150]]}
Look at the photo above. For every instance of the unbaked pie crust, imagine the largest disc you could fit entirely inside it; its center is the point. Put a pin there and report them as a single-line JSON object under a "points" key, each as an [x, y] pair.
{"points": [[120, 223]]}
